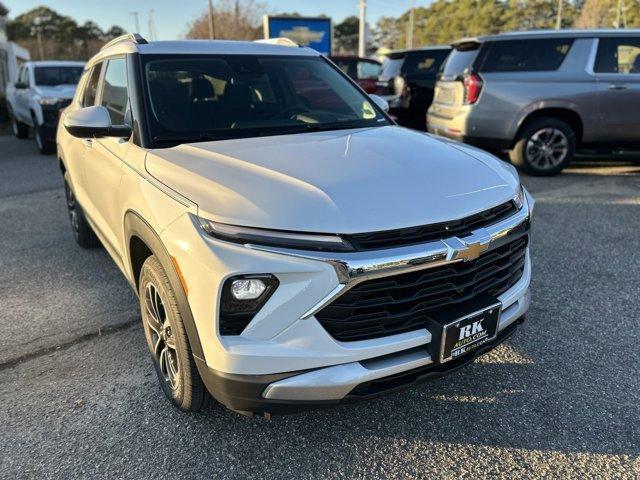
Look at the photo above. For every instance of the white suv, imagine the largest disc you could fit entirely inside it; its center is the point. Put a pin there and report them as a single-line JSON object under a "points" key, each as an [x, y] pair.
{"points": [[41, 90], [290, 245]]}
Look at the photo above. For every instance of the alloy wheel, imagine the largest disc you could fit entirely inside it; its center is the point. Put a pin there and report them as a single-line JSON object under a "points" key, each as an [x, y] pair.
{"points": [[547, 148], [163, 344]]}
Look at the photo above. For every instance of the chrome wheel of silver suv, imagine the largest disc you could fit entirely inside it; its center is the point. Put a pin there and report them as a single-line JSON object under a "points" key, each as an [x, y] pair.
{"points": [[544, 146], [547, 148]]}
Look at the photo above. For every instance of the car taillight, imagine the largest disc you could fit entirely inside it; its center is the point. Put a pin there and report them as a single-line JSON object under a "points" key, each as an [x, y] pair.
{"points": [[472, 87]]}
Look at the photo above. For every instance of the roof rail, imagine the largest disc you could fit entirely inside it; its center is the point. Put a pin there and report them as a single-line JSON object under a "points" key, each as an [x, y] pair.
{"points": [[127, 37], [284, 41]]}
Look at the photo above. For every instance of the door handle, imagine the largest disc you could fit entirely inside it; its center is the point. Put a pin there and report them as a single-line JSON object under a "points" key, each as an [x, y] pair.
{"points": [[87, 142], [613, 86]]}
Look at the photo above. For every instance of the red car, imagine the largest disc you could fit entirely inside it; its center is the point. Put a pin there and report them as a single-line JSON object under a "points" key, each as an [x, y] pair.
{"points": [[364, 71]]}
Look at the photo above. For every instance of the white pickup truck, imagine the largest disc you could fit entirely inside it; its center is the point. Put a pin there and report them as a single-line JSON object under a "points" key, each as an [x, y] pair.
{"points": [[40, 91]]}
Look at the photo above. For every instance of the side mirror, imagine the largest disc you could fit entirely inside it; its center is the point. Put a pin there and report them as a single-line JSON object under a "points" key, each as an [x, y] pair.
{"points": [[380, 102], [20, 85], [94, 121]]}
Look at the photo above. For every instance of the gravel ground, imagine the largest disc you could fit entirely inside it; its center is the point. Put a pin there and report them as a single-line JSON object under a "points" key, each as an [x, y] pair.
{"points": [[561, 398]]}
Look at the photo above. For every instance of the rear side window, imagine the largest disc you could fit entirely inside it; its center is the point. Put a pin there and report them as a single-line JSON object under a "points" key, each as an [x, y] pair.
{"points": [[535, 55], [459, 61], [89, 97], [618, 55], [114, 90], [425, 63]]}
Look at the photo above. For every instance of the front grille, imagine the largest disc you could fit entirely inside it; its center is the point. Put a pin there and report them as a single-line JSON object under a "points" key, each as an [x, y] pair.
{"points": [[402, 303], [427, 233]]}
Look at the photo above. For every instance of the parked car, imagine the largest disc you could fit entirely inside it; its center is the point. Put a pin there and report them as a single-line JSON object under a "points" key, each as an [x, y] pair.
{"points": [[542, 95], [34, 101], [364, 71], [407, 81], [287, 253]]}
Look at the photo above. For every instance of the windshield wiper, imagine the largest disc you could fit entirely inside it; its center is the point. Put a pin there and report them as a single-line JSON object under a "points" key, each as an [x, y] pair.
{"points": [[311, 127], [185, 138]]}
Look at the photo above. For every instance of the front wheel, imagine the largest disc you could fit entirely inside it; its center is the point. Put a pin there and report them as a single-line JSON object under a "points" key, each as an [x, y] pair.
{"points": [[19, 129], [544, 147], [45, 147], [167, 339]]}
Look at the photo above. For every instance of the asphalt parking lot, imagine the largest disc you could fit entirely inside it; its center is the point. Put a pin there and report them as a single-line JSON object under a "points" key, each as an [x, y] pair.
{"points": [[78, 396]]}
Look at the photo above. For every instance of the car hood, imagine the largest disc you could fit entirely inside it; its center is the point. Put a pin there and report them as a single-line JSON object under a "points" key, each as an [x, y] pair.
{"points": [[59, 91], [342, 181]]}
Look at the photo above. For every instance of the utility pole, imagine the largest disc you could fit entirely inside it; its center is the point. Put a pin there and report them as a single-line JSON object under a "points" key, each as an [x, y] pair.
{"points": [[410, 26], [559, 15], [137, 22], [38, 22], [362, 29], [212, 34], [152, 26]]}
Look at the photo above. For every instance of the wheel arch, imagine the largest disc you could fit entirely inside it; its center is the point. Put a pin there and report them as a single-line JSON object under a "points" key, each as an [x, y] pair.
{"points": [[566, 114], [142, 241]]}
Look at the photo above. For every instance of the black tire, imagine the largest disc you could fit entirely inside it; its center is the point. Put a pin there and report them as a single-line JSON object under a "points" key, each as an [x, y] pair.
{"points": [[82, 232], [544, 147], [167, 340], [20, 130], [45, 147]]}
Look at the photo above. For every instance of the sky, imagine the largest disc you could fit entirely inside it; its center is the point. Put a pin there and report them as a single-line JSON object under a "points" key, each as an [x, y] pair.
{"points": [[172, 17]]}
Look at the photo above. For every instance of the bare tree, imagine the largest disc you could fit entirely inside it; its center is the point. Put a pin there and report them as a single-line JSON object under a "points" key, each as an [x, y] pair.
{"points": [[232, 20]]}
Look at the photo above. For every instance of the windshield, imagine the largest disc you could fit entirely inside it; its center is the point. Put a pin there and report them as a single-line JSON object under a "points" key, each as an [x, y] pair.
{"points": [[235, 96], [52, 76]]}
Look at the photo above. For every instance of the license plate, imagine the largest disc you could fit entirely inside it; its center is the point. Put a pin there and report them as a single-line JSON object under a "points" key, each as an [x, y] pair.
{"points": [[469, 332], [445, 95]]}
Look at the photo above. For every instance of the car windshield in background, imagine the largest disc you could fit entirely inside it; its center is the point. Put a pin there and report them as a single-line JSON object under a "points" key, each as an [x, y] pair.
{"points": [[459, 61], [235, 96], [52, 76]]}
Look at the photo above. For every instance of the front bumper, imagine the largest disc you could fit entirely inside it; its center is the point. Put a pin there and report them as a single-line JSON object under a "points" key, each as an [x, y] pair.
{"points": [[254, 394], [284, 357]]}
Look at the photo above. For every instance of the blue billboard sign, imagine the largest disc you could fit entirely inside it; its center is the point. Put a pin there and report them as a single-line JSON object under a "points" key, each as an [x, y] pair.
{"points": [[308, 32]]}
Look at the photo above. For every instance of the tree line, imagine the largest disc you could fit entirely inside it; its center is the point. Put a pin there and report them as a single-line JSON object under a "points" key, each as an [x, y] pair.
{"points": [[50, 35], [444, 21]]}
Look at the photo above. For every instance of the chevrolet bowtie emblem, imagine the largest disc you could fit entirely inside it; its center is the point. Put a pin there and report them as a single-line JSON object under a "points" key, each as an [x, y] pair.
{"points": [[472, 251], [469, 248]]}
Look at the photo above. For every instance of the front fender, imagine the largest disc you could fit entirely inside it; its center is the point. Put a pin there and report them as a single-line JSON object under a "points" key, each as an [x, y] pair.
{"points": [[135, 225]]}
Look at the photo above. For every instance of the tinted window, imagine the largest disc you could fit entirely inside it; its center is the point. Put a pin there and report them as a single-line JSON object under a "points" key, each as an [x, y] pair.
{"points": [[347, 66], [89, 97], [425, 63], [52, 76], [533, 55], [368, 70], [114, 90], [391, 67], [618, 55], [459, 61], [236, 96]]}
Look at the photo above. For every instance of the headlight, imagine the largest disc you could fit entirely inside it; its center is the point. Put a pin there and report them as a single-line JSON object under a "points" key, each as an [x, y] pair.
{"points": [[50, 101], [519, 198], [276, 238]]}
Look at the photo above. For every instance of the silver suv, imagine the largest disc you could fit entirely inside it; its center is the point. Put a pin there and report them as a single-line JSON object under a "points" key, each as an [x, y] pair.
{"points": [[542, 95]]}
